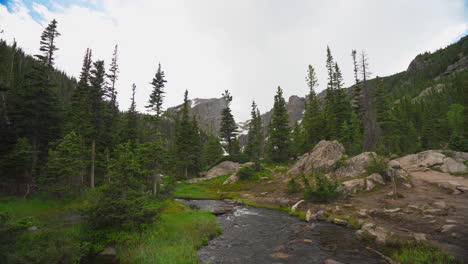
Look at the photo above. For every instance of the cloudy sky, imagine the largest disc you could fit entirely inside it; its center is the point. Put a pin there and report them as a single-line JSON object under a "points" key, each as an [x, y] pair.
{"points": [[247, 46]]}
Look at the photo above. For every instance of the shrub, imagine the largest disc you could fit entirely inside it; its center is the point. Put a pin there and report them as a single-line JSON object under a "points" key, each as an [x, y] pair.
{"points": [[377, 165], [293, 186], [323, 189], [246, 173]]}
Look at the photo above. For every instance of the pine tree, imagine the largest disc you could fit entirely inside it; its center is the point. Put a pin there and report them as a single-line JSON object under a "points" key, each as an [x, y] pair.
{"points": [[212, 152], [131, 127], [37, 112], [297, 140], [357, 88], [111, 92], [313, 117], [157, 95], [255, 137], [279, 130], [228, 129], [187, 142], [66, 166], [96, 93]]}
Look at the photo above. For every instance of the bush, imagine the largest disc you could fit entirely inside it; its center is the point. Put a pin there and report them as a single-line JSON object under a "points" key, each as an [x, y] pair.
{"points": [[293, 186], [246, 173], [377, 165], [323, 189]]}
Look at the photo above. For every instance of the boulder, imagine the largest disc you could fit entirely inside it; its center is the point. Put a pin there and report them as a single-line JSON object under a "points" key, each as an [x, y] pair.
{"points": [[440, 204], [322, 157], [376, 178], [447, 228], [394, 164], [233, 178], [320, 216], [435, 159], [339, 221], [356, 166], [225, 167], [309, 216], [352, 186], [452, 166], [419, 237]]}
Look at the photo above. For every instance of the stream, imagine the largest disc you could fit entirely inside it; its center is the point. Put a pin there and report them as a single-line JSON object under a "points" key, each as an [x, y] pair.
{"points": [[259, 235]]}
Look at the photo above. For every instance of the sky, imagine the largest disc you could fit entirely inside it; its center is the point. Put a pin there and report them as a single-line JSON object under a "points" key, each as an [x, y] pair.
{"points": [[248, 47]]}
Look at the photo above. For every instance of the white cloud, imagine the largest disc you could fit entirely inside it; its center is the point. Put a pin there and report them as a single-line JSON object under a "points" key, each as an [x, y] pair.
{"points": [[248, 47]]}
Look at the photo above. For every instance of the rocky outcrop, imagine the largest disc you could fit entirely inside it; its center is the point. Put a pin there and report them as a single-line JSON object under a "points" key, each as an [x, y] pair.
{"points": [[434, 159], [356, 166], [225, 167], [233, 178], [364, 184], [322, 158]]}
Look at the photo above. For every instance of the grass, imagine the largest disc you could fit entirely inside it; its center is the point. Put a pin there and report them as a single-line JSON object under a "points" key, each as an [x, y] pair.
{"points": [[19, 207], [421, 254], [174, 239]]}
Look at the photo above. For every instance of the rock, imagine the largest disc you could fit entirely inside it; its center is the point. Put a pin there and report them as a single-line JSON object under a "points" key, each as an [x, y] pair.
{"points": [[33, 228], [245, 195], [348, 205], [374, 232], [284, 202], [440, 205], [322, 157], [367, 226], [428, 216], [339, 221], [452, 166], [356, 166], [331, 261], [450, 221], [380, 234], [108, 251], [462, 189], [394, 210], [263, 193], [308, 216], [233, 178], [353, 186], [362, 212], [320, 216], [433, 211], [420, 237], [223, 168], [394, 164], [407, 185], [294, 207], [376, 178], [447, 228], [413, 207], [369, 185]]}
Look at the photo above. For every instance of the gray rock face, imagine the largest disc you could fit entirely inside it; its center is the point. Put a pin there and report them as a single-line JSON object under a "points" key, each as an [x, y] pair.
{"points": [[435, 159], [234, 178], [225, 167], [331, 261], [323, 157], [356, 166]]}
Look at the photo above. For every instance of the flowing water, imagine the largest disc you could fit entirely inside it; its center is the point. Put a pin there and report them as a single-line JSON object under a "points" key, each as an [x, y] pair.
{"points": [[258, 235]]}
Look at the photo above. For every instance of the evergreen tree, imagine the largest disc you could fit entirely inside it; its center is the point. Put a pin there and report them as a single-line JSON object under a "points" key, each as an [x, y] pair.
{"points": [[157, 95], [228, 130], [37, 113], [279, 130], [313, 117], [66, 166], [297, 140], [351, 135], [255, 137], [111, 92], [187, 142], [212, 152], [131, 127]]}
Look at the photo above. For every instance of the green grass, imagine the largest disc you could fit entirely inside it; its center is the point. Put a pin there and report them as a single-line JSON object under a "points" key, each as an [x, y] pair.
{"points": [[19, 207], [421, 254], [175, 238], [201, 190]]}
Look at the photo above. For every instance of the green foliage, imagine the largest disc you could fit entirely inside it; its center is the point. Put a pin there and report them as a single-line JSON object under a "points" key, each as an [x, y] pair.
{"points": [[228, 130], [246, 173], [421, 254], [377, 165], [255, 140], [18, 162], [278, 145], [323, 190], [65, 167], [173, 239], [293, 186], [157, 95], [212, 152], [121, 203]]}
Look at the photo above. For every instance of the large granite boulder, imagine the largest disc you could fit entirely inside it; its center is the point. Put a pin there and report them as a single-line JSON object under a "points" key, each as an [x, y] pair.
{"points": [[234, 178], [435, 159], [225, 167], [322, 158], [356, 166]]}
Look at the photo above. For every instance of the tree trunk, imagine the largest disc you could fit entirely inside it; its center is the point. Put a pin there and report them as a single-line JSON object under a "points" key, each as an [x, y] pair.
{"points": [[93, 157], [156, 178], [186, 172]]}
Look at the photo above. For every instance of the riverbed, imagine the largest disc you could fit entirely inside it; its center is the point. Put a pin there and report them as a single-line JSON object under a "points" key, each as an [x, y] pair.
{"points": [[259, 235]]}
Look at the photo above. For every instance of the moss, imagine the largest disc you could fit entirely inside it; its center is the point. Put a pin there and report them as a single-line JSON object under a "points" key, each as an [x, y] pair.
{"points": [[419, 253]]}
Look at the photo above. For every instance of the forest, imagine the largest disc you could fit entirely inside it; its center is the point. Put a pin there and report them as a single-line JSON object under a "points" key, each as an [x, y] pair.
{"points": [[65, 142]]}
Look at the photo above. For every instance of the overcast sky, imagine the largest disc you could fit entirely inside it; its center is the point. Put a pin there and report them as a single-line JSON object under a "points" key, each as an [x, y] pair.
{"points": [[246, 46]]}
